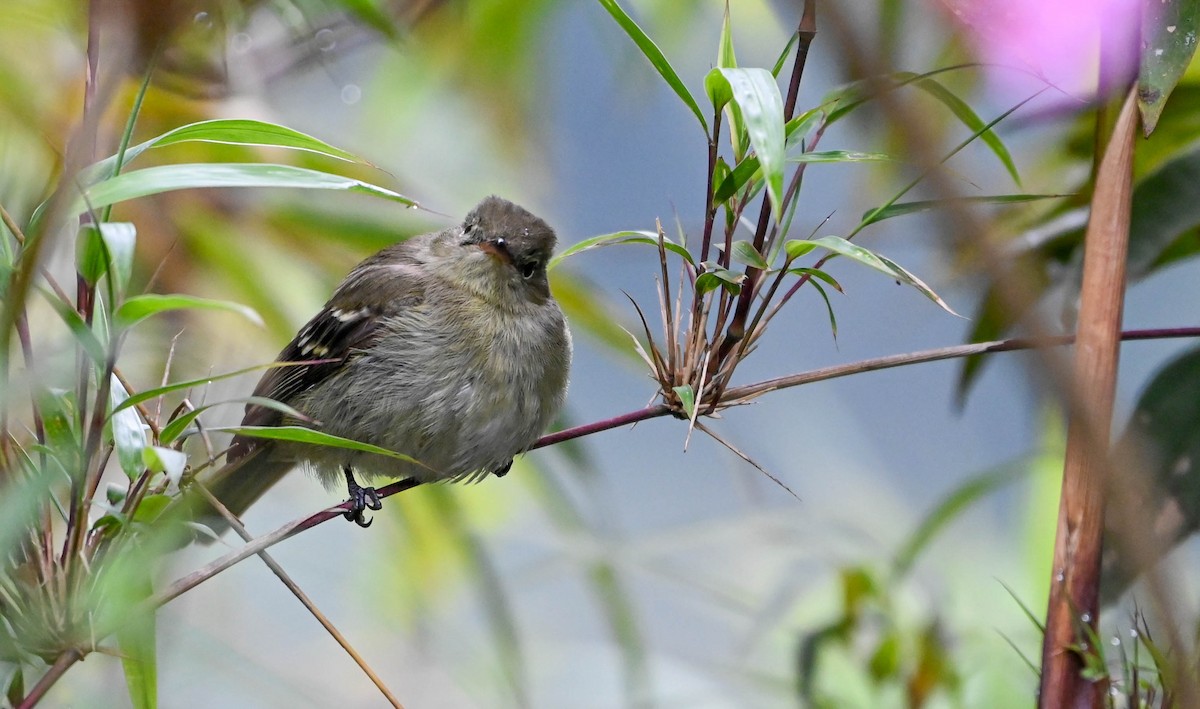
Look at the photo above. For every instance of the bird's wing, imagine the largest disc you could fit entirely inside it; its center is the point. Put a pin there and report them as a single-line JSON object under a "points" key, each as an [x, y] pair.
{"points": [[383, 285]]}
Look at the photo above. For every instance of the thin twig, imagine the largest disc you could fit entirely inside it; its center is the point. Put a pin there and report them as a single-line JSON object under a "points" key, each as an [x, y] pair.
{"points": [[266, 541], [292, 586], [733, 449], [63, 663]]}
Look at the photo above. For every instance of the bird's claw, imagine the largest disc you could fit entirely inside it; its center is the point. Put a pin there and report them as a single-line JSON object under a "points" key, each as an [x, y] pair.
{"points": [[361, 499]]}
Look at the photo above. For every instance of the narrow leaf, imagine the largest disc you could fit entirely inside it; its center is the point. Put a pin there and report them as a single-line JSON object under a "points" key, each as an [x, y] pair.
{"points": [[151, 394], [744, 252], [866, 257], [783, 56], [748, 168], [176, 427], [1169, 31], [687, 398], [299, 434], [967, 116], [818, 274], [164, 460], [621, 237], [651, 51], [716, 276], [828, 307], [79, 329], [235, 131], [757, 96], [902, 208], [947, 510], [136, 637], [141, 307], [128, 432], [167, 178]]}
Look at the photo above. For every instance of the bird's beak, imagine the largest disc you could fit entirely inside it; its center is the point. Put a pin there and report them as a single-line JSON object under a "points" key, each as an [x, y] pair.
{"points": [[497, 250]]}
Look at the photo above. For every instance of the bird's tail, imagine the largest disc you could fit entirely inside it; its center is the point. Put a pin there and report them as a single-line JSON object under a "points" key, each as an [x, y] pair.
{"points": [[237, 485]]}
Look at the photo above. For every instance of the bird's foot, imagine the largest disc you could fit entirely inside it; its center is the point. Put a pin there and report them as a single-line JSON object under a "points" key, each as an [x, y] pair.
{"points": [[361, 499], [503, 470]]}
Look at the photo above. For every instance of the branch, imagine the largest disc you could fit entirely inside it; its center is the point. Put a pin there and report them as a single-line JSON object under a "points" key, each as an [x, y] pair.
{"points": [[737, 394], [63, 663], [304, 599]]}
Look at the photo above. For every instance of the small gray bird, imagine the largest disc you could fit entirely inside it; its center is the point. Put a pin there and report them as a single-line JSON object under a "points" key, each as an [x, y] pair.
{"points": [[447, 347]]}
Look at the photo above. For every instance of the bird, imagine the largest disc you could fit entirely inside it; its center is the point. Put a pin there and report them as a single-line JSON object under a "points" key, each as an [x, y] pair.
{"points": [[447, 347]]}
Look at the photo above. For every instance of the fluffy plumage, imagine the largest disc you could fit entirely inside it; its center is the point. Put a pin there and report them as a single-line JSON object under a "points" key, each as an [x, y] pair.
{"points": [[446, 347]]}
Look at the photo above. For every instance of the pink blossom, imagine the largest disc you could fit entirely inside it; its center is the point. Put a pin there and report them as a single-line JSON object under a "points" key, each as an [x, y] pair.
{"points": [[1031, 43]]}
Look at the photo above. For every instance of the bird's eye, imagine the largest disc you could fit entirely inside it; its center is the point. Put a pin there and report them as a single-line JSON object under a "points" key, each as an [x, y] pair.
{"points": [[528, 270]]}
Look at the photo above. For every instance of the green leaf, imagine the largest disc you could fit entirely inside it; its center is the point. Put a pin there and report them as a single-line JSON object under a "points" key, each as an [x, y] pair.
{"points": [[748, 168], [715, 276], [1165, 427], [136, 638], [120, 238], [967, 117], [167, 178], [151, 507], [150, 394], [79, 329], [783, 56], [14, 688], [840, 246], [716, 87], [845, 99], [140, 307], [164, 460], [90, 259], [176, 427], [898, 209], [621, 237], [744, 252], [828, 307], [299, 434], [1164, 208], [947, 510], [837, 156], [651, 51], [372, 15], [1169, 31], [228, 131], [128, 432], [687, 398], [819, 274], [795, 248], [757, 97], [726, 59]]}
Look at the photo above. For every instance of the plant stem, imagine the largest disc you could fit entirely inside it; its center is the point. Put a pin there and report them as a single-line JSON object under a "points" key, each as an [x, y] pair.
{"points": [[710, 210], [1075, 585], [63, 663], [807, 31], [739, 394]]}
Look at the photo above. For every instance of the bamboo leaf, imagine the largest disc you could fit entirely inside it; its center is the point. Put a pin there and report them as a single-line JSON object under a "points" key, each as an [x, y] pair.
{"points": [[744, 253], [1169, 31], [903, 208], [651, 51], [687, 398], [228, 131], [757, 96], [299, 434], [840, 246], [140, 307], [168, 178], [128, 432], [621, 237]]}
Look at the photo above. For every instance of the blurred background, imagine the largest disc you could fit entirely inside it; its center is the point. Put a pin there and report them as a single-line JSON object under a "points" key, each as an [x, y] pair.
{"points": [[625, 568]]}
